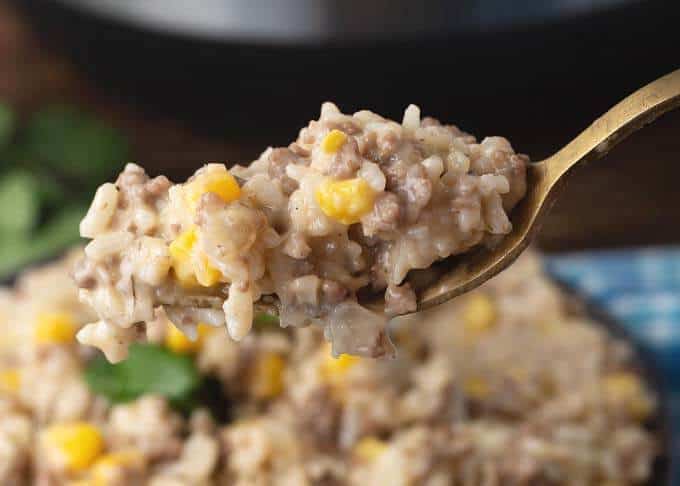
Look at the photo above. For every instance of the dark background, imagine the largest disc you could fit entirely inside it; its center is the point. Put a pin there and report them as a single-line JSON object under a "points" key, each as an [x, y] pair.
{"points": [[183, 102]]}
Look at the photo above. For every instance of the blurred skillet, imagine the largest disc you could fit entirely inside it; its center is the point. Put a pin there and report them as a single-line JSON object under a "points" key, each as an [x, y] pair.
{"points": [[234, 67], [309, 22], [666, 467]]}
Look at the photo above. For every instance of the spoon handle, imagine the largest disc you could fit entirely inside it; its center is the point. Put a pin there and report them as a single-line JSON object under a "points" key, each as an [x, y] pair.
{"points": [[632, 113]]}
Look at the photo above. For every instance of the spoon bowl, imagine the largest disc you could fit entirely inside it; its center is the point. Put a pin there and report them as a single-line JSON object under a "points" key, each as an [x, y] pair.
{"points": [[544, 180]]}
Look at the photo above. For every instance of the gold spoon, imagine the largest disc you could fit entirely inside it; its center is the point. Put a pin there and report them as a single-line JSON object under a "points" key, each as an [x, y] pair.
{"points": [[545, 178]]}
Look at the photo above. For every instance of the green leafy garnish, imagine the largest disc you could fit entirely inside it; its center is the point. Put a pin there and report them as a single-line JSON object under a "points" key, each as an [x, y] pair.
{"points": [[74, 144], [19, 209], [149, 369], [49, 168], [53, 193], [62, 229], [13, 254], [6, 124], [17, 250], [264, 320]]}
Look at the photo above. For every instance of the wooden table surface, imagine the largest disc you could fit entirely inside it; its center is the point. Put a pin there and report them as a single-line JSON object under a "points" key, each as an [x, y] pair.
{"points": [[629, 198]]}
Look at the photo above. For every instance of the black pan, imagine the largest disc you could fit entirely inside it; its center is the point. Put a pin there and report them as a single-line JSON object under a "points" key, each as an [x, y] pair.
{"points": [[666, 467], [309, 22], [498, 79]]}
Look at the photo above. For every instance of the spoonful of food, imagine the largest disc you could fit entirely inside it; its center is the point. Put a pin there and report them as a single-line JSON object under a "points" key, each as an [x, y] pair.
{"points": [[544, 181], [359, 214]]}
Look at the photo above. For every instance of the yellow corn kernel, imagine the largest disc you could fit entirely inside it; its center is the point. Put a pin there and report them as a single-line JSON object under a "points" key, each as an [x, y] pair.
{"points": [[55, 328], [641, 407], [370, 448], [549, 327], [182, 246], [205, 330], [332, 142], [215, 179], [518, 373], [479, 314], [347, 200], [78, 443], [187, 272], [621, 386], [626, 388], [104, 470], [184, 272], [176, 341], [476, 388], [267, 376], [206, 274], [10, 381], [334, 369], [180, 254]]}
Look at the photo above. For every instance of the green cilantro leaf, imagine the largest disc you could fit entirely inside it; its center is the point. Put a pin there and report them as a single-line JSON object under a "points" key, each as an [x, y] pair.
{"points": [[7, 120], [149, 369], [263, 320], [19, 209], [75, 144], [17, 250], [61, 230], [13, 254]]}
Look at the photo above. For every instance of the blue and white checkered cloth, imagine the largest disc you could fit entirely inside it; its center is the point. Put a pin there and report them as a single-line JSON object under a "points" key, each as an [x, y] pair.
{"points": [[640, 288]]}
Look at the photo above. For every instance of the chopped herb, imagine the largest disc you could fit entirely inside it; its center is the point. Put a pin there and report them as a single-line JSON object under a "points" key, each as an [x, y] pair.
{"points": [[149, 369], [17, 250], [13, 254], [60, 231], [49, 168], [19, 209], [6, 125], [74, 144], [264, 320]]}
